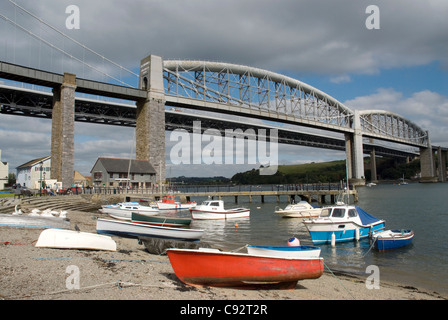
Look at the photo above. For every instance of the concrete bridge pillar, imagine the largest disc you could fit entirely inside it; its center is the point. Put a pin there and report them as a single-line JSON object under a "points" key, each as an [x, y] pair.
{"points": [[63, 131], [441, 165], [427, 165], [354, 153], [373, 173], [150, 124]]}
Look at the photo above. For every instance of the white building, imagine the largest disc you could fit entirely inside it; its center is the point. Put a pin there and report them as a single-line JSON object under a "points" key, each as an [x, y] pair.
{"points": [[4, 169], [31, 173]]}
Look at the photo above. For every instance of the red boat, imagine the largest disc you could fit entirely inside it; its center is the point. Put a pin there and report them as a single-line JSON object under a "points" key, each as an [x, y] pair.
{"points": [[211, 267]]}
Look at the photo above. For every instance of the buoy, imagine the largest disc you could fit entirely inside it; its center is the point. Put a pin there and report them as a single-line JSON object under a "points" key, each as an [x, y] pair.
{"points": [[236, 225], [333, 239], [357, 234], [293, 242]]}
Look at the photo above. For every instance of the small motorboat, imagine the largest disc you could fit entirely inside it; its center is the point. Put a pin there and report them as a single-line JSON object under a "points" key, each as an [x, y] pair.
{"points": [[69, 239], [135, 230], [392, 239], [214, 210], [160, 220], [299, 210], [212, 267], [342, 223], [285, 251], [123, 210], [168, 202]]}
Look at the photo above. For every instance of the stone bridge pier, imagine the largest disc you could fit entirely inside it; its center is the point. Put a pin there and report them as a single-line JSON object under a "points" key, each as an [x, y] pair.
{"points": [[63, 131], [150, 124]]}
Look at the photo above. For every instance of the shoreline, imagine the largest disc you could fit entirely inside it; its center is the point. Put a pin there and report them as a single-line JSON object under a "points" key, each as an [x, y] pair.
{"points": [[131, 273]]}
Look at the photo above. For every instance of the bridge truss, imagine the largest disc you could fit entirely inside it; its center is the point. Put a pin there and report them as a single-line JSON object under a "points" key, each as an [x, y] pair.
{"points": [[259, 93]]}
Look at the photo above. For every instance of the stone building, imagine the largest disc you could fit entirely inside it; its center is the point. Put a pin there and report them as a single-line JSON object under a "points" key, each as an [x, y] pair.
{"points": [[113, 172]]}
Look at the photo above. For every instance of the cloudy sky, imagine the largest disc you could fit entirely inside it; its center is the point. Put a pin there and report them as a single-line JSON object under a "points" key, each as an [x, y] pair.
{"points": [[401, 67]]}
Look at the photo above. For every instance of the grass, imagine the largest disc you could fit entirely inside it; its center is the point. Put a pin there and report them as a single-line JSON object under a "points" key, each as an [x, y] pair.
{"points": [[311, 167]]}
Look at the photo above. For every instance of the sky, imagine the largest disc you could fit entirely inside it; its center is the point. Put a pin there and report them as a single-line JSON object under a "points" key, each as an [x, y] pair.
{"points": [[402, 66]]}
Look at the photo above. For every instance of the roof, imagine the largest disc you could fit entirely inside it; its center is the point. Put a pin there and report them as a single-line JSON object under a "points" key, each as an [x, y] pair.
{"points": [[122, 165], [33, 162]]}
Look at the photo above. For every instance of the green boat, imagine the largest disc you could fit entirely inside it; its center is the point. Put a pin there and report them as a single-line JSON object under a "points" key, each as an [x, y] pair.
{"points": [[160, 220]]}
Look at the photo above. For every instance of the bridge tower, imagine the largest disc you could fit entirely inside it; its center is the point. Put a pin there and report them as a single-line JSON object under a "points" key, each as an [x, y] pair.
{"points": [[150, 124], [427, 164], [63, 131], [354, 153]]}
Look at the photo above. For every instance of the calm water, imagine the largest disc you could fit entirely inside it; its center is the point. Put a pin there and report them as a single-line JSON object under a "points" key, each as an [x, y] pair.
{"points": [[421, 207]]}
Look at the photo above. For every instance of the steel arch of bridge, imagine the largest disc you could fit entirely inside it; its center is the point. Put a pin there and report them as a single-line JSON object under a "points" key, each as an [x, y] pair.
{"points": [[272, 96]]}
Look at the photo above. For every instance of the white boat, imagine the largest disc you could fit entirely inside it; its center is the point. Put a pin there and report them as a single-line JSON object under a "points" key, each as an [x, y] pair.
{"points": [[342, 223], [285, 251], [135, 230], [33, 221], [214, 210], [69, 239], [123, 210], [168, 203], [299, 210]]}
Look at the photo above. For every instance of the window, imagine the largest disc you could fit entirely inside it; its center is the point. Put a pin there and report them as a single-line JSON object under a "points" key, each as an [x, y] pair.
{"points": [[325, 213], [338, 213], [98, 175], [352, 213]]}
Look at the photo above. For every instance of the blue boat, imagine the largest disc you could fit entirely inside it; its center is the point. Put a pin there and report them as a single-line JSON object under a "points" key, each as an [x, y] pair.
{"points": [[392, 239], [343, 223]]}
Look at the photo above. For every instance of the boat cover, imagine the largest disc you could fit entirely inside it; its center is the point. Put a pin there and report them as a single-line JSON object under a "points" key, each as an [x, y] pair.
{"points": [[365, 217]]}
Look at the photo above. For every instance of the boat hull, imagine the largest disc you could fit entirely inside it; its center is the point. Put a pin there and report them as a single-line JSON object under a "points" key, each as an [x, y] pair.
{"points": [[199, 214], [69, 239], [175, 206], [285, 251], [238, 270], [134, 230], [392, 239], [39, 222], [124, 213], [160, 220], [321, 233], [299, 214]]}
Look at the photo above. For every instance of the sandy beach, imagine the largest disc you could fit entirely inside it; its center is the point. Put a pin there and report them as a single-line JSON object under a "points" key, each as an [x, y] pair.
{"points": [[131, 273]]}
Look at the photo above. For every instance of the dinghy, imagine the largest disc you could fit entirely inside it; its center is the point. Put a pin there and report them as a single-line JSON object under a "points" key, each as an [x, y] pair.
{"points": [[392, 239], [68, 239], [212, 267], [160, 220], [135, 230], [33, 221]]}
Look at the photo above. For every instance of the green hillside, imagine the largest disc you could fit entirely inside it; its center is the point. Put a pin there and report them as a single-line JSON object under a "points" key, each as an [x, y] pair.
{"points": [[324, 172]]}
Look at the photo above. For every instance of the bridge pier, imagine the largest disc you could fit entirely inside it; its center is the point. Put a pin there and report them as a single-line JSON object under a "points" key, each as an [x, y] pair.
{"points": [[150, 124], [427, 164], [63, 131], [442, 157]]}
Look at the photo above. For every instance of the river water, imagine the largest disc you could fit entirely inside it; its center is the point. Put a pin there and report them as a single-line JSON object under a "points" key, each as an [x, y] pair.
{"points": [[420, 207]]}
